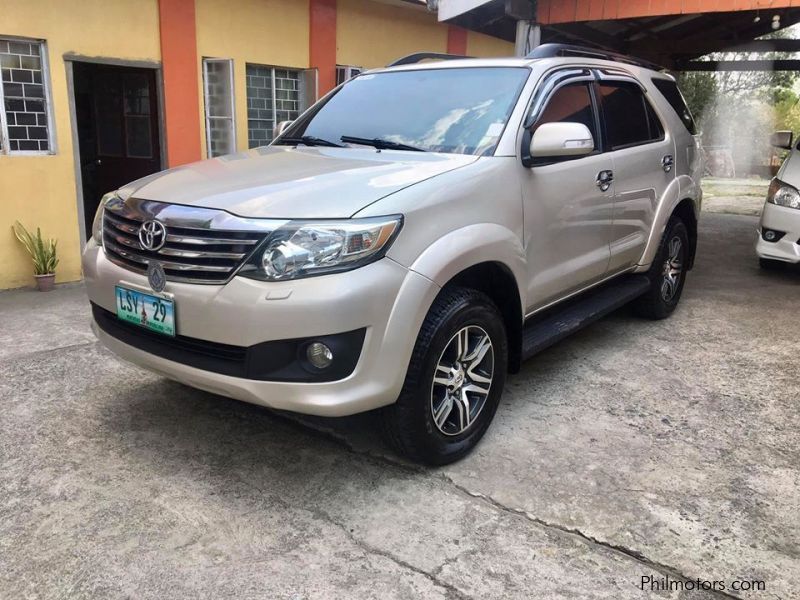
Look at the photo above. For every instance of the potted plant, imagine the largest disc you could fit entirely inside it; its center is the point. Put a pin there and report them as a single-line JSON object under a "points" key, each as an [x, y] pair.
{"points": [[43, 253]]}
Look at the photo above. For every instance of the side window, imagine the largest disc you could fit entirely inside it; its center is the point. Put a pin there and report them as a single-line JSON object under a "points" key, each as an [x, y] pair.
{"points": [[25, 120], [346, 72], [572, 103], [628, 117], [274, 95], [219, 106], [669, 89]]}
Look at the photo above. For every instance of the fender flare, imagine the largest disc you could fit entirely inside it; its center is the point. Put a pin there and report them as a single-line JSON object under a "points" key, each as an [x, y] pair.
{"points": [[680, 189], [470, 246]]}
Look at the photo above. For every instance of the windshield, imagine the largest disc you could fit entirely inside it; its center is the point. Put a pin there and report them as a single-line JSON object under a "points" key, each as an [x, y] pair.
{"points": [[455, 110]]}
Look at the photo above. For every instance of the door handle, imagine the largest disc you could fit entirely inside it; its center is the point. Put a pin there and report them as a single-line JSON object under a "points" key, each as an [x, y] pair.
{"points": [[604, 180], [667, 163]]}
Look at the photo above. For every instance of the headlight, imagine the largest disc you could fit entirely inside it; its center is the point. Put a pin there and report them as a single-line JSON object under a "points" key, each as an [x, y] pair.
{"points": [[97, 224], [303, 249], [783, 194]]}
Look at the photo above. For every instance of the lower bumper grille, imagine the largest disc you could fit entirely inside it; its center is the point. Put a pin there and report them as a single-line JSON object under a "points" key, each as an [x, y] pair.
{"points": [[209, 356], [279, 360]]}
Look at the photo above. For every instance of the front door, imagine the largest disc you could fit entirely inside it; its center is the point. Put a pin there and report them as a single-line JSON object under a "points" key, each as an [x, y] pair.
{"points": [[118, 129], [568, 213]]}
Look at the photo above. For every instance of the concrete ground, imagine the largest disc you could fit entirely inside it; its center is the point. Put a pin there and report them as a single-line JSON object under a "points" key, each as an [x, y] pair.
{"points": [[634, 449], [734, 196]]}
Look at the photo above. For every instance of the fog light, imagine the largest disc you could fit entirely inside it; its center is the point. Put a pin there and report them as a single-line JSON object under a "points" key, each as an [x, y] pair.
{"points": [[319, 355], [770, 235]]}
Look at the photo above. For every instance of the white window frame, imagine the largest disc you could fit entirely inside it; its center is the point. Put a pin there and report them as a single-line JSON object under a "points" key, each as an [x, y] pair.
{"points": [[5, 150], [348, 71], [208, 117], [306, 93]]}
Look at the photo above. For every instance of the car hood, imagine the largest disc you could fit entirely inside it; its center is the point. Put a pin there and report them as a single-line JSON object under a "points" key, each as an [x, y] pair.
{"points": [[294, 183]]}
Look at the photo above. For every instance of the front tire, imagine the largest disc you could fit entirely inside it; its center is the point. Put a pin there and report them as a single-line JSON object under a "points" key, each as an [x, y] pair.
{"points": [[667, 273], [454, 380]]}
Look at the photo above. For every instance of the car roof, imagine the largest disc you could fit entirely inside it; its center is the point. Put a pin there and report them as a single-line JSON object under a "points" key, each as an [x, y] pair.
{"points": [[455, 63]]}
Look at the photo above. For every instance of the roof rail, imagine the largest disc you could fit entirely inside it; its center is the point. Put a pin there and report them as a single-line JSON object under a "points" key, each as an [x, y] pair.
{"points": [[553, 50], [420, 56]]}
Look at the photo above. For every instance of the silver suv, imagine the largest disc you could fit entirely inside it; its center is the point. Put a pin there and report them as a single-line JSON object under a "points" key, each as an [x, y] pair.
{"points": [[408, 240]]}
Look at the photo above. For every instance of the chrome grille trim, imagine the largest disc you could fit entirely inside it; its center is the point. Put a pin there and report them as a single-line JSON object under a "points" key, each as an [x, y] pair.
{"points": [[121, 225], [167, 265], [183, 239], [201, 254], [203, 245]]}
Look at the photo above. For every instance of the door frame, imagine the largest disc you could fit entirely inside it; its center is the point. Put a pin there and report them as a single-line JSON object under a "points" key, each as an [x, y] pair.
{"points": [[69, 60]]}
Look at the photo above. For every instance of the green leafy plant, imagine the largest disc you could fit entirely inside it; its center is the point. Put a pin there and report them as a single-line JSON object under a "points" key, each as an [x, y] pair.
{"points": [[43, 252]]}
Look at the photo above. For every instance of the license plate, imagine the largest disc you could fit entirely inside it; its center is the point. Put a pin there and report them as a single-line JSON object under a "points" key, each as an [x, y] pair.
{"points": [[148, 311]]}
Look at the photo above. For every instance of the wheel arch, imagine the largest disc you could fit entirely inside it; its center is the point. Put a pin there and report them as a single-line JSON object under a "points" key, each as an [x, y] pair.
{"points": [[687, 213], [682, 198], [496, 281], [487, 257]]}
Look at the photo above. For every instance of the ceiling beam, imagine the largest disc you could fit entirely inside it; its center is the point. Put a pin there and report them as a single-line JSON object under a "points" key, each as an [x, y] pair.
{"points": [[740, 65], [579, 32], [691, 48]]}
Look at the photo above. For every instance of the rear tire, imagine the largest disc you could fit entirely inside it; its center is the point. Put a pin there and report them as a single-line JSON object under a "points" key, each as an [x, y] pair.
{"points": [[667, 273], [454, 380]]}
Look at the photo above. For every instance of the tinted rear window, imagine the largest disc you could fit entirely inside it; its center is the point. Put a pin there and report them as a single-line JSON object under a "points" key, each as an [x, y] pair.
{"points": [[629, 119], [669, 89]]}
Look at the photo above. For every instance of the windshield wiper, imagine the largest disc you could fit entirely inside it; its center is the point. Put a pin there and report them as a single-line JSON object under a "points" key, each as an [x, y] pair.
{"points": [[379, 143], [309, 140]]}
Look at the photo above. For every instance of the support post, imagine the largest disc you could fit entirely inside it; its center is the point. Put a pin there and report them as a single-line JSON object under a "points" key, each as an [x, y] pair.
{"points": [[181, 96], [322, 43], [529, 35]]}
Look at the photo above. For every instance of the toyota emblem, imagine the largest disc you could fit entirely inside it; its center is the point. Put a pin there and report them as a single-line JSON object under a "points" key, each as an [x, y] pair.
{"points": [[152, 235]]}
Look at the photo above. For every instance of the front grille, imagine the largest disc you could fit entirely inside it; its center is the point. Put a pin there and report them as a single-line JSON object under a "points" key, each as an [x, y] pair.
{"points": [[190, 254]]}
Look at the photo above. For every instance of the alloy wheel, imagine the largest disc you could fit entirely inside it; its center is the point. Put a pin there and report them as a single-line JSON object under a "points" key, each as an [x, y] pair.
{"points": [[462, 380], [673, 268]]}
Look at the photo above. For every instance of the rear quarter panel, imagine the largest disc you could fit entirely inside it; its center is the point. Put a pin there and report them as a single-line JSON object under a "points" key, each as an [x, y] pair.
{"points": [[688, 171]]}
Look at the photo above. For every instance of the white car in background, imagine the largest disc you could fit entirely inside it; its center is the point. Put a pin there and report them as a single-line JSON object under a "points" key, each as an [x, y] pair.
{"points": [[779, 229]]}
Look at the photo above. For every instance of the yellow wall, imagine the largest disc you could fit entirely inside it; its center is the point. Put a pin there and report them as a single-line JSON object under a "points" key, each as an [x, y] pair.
{"points": [[40, 190], [485, 46], [373, 34], [265, 32]]}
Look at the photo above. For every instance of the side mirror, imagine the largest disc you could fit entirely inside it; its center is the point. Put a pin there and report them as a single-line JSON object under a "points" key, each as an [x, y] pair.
{"points": [[281, 127], [555, 140], [782, 139]]}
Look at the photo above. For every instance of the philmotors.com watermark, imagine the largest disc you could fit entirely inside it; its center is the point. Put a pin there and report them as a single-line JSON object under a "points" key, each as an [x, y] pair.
{"points": [[668, 584]]}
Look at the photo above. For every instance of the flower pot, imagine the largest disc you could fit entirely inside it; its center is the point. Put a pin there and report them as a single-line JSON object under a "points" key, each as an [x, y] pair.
{"points": [[45, 283]]}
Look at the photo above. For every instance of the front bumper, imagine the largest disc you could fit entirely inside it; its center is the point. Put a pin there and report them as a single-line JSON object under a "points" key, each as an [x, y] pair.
{"points": [[785, 220], [384, 300]]}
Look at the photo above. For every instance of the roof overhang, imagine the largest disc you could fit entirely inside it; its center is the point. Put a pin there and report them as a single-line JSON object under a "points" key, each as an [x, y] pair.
{"points": [[671, 40], [497, 18]]}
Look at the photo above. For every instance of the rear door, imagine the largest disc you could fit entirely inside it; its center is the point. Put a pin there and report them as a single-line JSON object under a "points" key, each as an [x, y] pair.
{"points": [[643, 155]]}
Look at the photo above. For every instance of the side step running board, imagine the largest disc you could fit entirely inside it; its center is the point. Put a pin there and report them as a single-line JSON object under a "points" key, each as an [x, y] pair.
{"points": [[560, 321]]}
